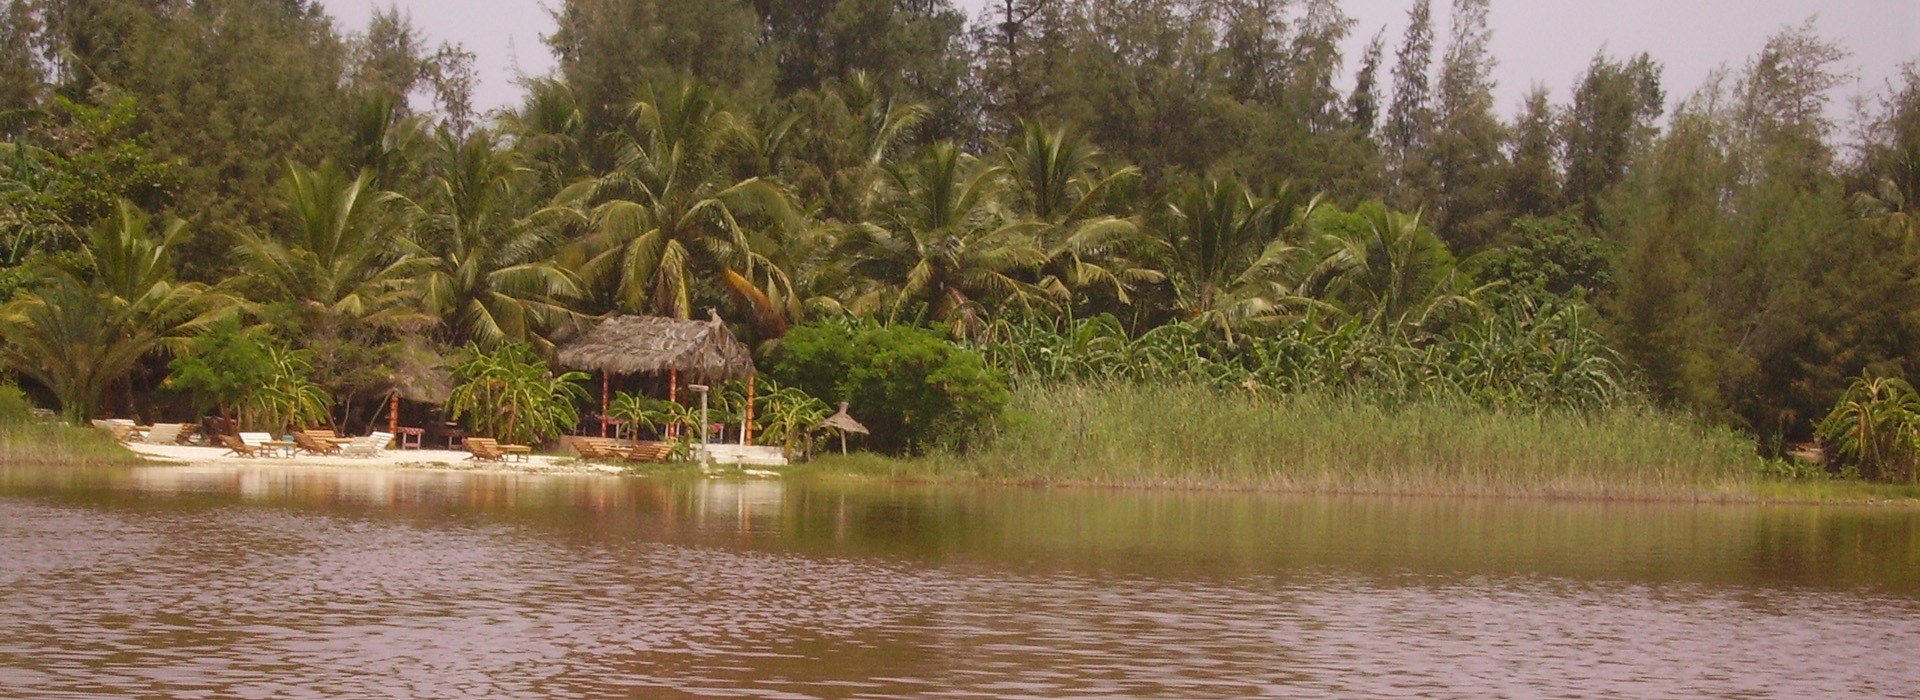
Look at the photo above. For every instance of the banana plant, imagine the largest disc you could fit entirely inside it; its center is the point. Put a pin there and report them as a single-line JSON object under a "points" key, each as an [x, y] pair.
{"points": [[511, 395], [790, 417], [1876, 425]]}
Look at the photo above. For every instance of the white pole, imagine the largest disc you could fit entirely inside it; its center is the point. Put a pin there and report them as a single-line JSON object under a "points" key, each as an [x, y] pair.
{"points": [[704, 456]]}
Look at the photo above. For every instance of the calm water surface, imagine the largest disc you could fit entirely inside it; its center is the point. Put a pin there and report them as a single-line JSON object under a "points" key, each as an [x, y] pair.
{"points": [[280, 582]]}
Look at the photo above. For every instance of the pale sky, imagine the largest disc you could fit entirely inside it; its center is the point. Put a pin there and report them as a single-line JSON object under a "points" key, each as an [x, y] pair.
{"points": [[1536, 41]]}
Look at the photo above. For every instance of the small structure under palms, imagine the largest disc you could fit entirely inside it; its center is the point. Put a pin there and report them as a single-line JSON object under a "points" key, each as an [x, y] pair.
{"points": [[842, 423]]}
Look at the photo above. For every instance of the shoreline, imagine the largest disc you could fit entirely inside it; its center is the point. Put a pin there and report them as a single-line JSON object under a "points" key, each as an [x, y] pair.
{"points": [[880, 470], [416, 460]]}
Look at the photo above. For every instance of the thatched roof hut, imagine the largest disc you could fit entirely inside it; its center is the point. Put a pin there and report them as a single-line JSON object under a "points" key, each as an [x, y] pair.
{"points": [[702, 351], [420, 375]]}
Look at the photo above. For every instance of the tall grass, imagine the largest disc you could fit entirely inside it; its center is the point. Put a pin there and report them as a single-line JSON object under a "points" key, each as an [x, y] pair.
{"points": [[25, 440], [55, 444], [1125, 434]]}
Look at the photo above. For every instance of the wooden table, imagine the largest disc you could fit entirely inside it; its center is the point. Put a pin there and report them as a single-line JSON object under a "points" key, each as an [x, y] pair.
{"points": [[286, 448], [520, 453]]}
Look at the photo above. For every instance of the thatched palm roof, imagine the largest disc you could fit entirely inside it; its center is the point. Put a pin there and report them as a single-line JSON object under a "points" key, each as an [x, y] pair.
{"points": [[422, 383], [704, 351], [420, 375]]}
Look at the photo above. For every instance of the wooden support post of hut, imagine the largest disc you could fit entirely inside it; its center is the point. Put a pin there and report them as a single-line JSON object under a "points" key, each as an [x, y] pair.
{"points": [[701, 352]]}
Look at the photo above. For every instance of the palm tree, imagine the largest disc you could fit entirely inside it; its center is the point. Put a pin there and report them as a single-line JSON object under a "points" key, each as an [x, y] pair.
{"points": [[855, 130], [488, 271], [670, 225], [334, 258], [93, 320], [1238, 254], [1393, 271], [383, 141], [549, 131], [1056, 184], [945, 241]]}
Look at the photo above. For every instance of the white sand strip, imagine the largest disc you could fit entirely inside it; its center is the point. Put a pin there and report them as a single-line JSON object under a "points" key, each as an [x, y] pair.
{"points": [[386, 459]]}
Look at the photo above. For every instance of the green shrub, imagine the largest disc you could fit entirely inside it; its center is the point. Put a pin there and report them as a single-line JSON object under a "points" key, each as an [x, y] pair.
{"points": [[249, 374], [912, 387], [15, 408], [227, 365]]}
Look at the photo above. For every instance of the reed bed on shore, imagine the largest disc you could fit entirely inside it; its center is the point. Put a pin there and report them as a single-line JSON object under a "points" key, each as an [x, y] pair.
{"points": [[53, 444], [1188, 436]]}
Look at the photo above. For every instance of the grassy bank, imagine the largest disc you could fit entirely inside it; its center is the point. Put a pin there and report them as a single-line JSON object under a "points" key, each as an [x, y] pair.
{"points": [[1188, 437], [52, 444]]}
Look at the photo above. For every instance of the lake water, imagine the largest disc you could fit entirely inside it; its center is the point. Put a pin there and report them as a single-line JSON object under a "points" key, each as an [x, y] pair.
{"points": [[282, 582]]}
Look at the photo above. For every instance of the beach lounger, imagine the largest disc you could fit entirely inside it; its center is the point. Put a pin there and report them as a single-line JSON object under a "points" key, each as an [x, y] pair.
{"points": [[368, 446], [315, 442], [122, 429], [163, 434], [237, 448], [485, 450], [649, 451], [591, 448], [490, 450]]}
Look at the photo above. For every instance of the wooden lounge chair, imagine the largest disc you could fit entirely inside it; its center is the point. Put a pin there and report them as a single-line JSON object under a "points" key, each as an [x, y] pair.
{"points": [[485, 450], [236, 447], [649, 451], [591, 448], [123, 430], [611, 449], [368, 446], [490, 450], [313, 444], [163, 433]]}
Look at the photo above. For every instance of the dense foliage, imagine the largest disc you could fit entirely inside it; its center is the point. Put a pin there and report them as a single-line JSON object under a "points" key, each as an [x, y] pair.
{"points": [[509, 394], [1074, 186], [914, 390], [1526, 357]]}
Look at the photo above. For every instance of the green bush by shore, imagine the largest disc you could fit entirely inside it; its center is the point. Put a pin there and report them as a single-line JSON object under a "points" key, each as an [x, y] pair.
{"points": [[1183, 436]]}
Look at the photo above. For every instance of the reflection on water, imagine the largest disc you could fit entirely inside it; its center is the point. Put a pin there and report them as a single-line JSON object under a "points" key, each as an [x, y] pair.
{"points": [[271, 582]]}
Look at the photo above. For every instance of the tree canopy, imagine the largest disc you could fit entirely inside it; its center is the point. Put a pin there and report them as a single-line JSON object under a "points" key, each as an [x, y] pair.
{"points": [[1159, 162]]}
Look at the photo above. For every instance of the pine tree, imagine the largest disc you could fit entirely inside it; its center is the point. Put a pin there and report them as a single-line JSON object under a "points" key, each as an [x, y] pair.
{"points": [[22, 75], [1409, 129], [1610, 121], [1466, 145], [1363, 104], [1533, 181]]}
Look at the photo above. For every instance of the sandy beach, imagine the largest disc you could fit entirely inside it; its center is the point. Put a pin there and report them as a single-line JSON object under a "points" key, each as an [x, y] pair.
{"points": [[438, 460]]}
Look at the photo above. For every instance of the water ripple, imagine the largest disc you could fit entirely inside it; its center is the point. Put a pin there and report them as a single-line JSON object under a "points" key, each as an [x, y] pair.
{"points": [[255, 602]]}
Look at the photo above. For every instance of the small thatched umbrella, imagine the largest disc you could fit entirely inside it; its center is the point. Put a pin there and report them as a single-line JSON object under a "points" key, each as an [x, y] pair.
{"points": [[845, 424], [705, 351]]}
